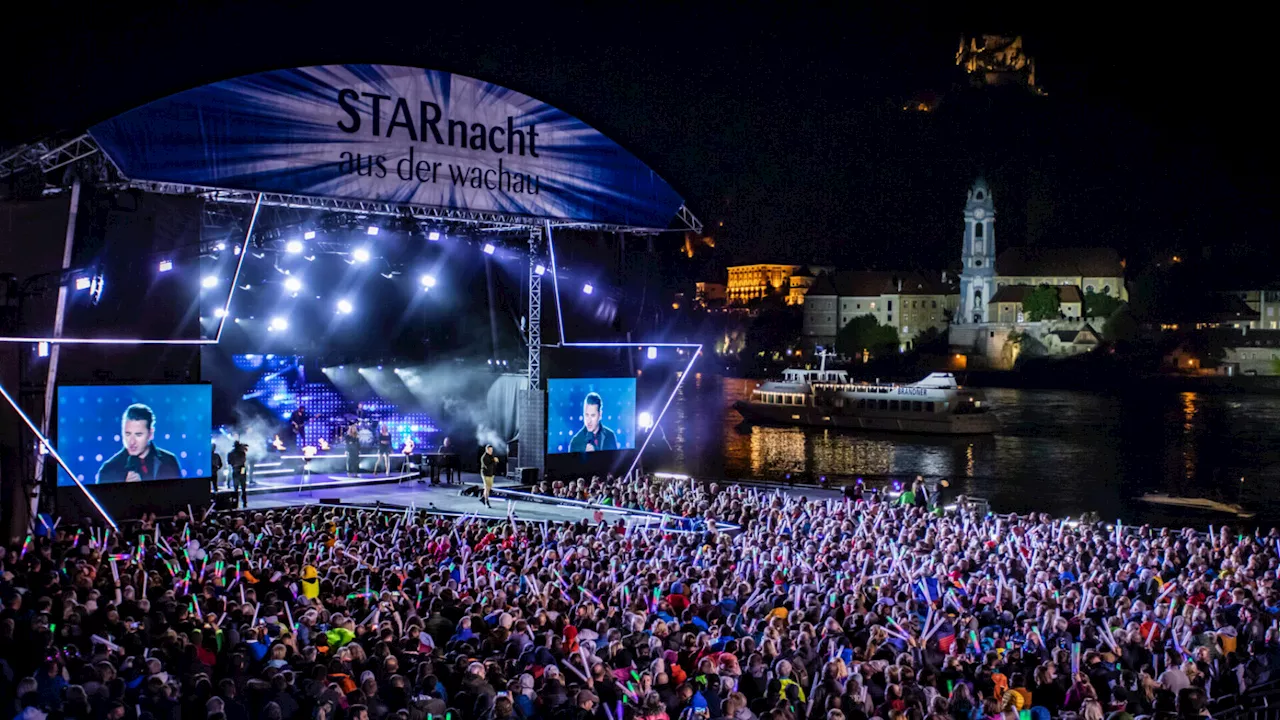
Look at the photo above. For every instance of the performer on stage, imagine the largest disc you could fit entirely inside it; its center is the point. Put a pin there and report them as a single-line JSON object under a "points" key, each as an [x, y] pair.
{"points": [[297, 421], [488, 467], [352, 441], [217, 467], [384, 448], [446, 450]]}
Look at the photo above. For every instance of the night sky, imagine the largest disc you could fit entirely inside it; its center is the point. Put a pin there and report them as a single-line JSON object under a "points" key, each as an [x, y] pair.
{"points": [[784, 124]]}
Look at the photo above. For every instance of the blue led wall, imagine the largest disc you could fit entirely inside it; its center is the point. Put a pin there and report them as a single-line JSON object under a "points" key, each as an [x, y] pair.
{"points": [[283, 383]]}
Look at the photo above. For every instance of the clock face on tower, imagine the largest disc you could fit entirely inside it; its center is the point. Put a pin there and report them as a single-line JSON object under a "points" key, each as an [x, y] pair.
{"points": [[979, 213]]}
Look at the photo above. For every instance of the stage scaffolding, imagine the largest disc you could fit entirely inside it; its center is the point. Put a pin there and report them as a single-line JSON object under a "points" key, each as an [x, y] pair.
{"points": [[80, 159]]}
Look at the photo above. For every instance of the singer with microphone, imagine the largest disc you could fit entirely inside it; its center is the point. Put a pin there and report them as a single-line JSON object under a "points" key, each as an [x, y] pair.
{"points": [[139, 459], [593, 436]]}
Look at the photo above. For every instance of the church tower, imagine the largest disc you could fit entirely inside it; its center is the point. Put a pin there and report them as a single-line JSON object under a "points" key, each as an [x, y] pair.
{"points": [[978, 276]]}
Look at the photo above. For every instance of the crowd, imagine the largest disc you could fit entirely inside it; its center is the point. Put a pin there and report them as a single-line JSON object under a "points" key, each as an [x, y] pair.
{"points": [[816, 609]]}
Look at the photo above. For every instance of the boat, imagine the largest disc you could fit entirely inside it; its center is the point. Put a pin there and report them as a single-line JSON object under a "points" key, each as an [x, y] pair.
{"points": [[936, 405], [1197, 503]]}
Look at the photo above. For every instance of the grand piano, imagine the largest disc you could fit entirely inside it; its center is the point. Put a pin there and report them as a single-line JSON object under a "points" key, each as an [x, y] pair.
{"points": [[446, 463]]}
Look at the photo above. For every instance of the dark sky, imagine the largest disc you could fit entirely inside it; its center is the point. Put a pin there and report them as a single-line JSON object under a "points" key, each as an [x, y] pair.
{"points": [[779, 121]]}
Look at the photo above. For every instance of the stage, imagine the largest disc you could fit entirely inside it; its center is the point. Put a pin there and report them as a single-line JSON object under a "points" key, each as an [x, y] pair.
{"points": [[435, 498]]}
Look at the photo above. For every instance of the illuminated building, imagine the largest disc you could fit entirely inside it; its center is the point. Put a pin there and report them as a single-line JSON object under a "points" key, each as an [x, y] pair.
{"points": [[906, 301], [997, 60], [754, 282]]}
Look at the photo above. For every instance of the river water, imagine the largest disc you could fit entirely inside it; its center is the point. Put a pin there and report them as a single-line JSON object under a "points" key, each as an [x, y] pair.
{"points": [[1061, 452]]}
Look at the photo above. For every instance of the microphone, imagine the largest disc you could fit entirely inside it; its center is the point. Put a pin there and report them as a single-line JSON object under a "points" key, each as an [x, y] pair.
{"points": [[133, 464]]}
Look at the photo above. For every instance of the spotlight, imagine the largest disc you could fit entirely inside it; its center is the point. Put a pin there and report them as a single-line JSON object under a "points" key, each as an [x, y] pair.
{"points": [[278, 323], [645, 420], [489, 248], [344, 307], [293, 284], [166, 265], [539, 269], [83, 283], [433, 236], [293, 247], [428, 281], [361, 255], [42, 349], [588, 289], [653, 352], [220, 246], [236, 320], [309, 235], [209, 281], [219, 313], [237, 250], [373, 230]]}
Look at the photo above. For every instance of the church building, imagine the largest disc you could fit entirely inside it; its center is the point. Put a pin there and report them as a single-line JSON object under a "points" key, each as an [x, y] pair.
{"points": [[993, 286]]}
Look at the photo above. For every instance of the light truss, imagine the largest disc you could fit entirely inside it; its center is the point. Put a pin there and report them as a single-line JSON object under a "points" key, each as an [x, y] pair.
{"points": [[400, 210], [47, 156]]}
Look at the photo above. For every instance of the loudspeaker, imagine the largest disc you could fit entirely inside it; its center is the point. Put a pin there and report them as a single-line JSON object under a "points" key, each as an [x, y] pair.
{"points": [[331, 500], [224, 501], [529, 476], [472, 491]]}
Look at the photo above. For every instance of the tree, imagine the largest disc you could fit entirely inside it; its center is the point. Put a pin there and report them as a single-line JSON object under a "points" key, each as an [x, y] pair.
{"points": [[1041, 304], [1275, 366], [1100, 305], [931, 340], [865, 333], [1120, 326]]}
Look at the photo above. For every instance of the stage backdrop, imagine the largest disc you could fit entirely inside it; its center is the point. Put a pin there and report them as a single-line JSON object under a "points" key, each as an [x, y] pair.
{"points": [[91, 429], [566, 397], [392, 134]]}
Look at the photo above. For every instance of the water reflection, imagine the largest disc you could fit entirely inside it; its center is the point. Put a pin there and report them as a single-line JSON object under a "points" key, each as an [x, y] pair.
{"points": [[1056, 451]]}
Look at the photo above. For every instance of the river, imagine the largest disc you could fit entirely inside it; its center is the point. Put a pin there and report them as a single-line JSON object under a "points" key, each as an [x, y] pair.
{"points": [[1061, 452]]}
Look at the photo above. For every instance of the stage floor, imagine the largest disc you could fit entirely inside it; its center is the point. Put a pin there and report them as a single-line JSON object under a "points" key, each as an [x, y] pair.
{"points": [[439, 498]]}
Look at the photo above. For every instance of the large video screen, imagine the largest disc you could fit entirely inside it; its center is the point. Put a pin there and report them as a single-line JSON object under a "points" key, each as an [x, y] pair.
{"points": [[591, 414], [135, 433]]}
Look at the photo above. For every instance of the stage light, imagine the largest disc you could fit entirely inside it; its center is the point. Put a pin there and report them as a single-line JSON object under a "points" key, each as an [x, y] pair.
{"points": [[83, 283], [293, 247], [293, 284], [489, 248], [428, 281], [587, 289], [373, 230], [42, 349], [309, 235], [220, 246], [645, 420], [278, 323], [209, 281], [236, 320], [360, 255], [653, 352], [219, 313], [345, 307], [539, 269], [237, 250], [433, 236], [166, 265]]}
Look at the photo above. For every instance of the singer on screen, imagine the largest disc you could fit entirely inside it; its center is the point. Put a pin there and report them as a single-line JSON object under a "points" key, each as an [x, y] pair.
{"points": [[593, 436], [139, 459]]}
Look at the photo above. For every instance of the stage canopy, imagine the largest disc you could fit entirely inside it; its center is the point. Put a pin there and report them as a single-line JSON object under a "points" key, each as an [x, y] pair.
{"points": [[387, 134]]}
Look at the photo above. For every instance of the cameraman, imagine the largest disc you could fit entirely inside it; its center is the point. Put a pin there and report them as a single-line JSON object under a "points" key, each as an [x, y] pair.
{"points": [[237, 459]]}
